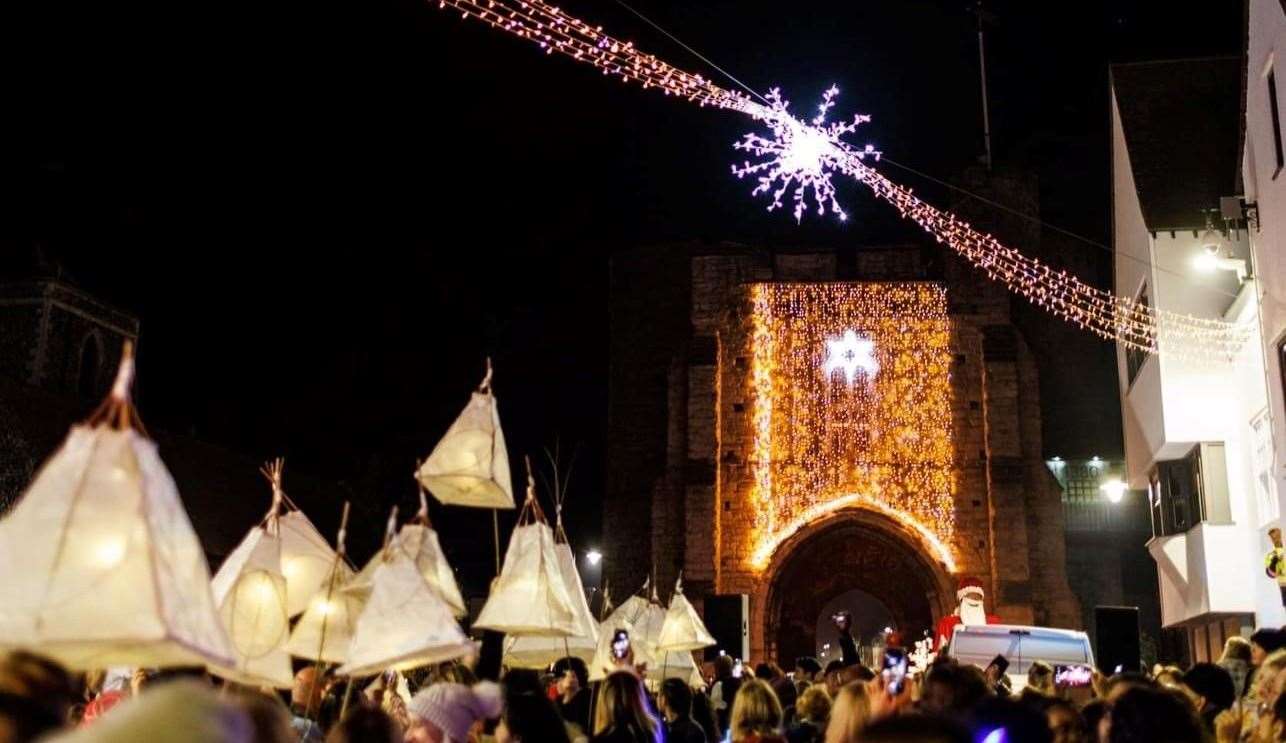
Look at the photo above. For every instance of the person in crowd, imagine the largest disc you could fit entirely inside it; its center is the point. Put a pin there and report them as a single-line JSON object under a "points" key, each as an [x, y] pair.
{"points": [[787, 695], [1093, 714], [365, 724], [723, 690], [1168, 675], [1040, 682], [675, 701], [446, 712], [268, 716], [621, 714], [113, 689], [952, 689], [848, 647], [703, 715], [37, 696], [756, 715], [1016, 721], [1120, 683], [1151, 715], [850, 713], [530, 718], [573, 691], [807, 668], [916, 729], [1263, 642], [305, 702], [812, 713], [1213, 690], [1236, 661], [183, 711], [1066, 725]]}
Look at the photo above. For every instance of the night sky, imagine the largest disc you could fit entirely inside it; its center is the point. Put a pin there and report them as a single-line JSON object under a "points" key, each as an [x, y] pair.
{"points": [[328, 214]]}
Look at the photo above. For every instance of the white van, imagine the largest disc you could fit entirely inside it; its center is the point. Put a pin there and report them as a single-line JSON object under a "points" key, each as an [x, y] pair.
{"points": [[979, 644]]}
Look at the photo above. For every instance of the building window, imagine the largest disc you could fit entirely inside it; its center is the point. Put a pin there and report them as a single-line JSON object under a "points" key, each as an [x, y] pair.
{"points": [[1277, 124], [1261, 455], [1135, 358], [1185, 492]]}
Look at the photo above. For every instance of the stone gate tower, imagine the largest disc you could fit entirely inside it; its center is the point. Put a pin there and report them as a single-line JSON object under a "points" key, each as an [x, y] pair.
{"points": [[794, 425]]}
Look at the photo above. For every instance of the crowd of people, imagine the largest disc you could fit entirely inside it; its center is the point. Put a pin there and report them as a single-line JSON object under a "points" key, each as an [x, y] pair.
{"points": [[1235, 700]]}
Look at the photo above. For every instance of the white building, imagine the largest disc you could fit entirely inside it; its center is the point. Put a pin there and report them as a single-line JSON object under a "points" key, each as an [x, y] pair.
{"points": [[1264, 189], [1193, 427]]}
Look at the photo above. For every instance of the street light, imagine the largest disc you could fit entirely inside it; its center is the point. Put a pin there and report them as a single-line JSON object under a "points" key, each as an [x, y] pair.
{"points": [[594, 557], [1115, 490]]}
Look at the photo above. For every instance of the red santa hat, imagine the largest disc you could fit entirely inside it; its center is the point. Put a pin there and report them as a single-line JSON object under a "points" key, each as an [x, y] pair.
{"points": [[969, 584]]}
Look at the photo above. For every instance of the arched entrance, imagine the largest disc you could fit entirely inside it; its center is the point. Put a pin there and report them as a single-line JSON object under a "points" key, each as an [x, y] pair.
{"points": [[850, 551]]}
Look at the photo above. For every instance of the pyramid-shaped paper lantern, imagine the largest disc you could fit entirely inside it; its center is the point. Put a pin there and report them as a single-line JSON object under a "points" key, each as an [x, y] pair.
{"points": [[101, 565], [533, 651], [675, 665], [470, 466], [326, 629], [529, 597], [251, 596], [640, 617], [420, 542], [405, 624], [306, 560], [682, 630]]}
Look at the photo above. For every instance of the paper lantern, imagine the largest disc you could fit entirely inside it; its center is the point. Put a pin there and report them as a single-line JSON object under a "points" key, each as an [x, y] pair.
{"points": [[420, 542], [102, 567], [252, 605], [530, 651], [682, 630], [529, 597], [470, 466], [326, 629], [405, 623], [643, 619]]}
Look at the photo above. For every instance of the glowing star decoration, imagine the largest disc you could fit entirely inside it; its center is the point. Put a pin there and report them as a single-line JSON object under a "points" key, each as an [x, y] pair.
{"points": [[850, 353], [799, 154]]}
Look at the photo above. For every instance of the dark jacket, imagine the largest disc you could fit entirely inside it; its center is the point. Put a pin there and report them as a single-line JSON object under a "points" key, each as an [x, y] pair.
{"points": [[684, 730], [622, 735], [805, 732]]}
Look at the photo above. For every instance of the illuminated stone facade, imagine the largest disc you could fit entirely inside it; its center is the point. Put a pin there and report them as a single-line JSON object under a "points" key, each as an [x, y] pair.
{"points": [[755, 472]]}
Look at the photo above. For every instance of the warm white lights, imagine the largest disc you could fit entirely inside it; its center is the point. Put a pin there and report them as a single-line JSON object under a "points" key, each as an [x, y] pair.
{"points": [[1114, 489], [850, 354], [594, 557], [800, 156], [109, 552]]}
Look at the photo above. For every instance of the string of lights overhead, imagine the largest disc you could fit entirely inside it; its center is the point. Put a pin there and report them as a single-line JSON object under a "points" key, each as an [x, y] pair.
{"points": [[801, 156]]}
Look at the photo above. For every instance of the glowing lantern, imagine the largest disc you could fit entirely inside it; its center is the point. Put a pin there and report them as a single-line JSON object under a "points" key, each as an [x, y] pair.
{"points": [[531, 651], [405, 623], [252, 593], [420, 542], [529, 597], [326, 629], [102, 567], [682, 630], [643, 618], [470, 466]]}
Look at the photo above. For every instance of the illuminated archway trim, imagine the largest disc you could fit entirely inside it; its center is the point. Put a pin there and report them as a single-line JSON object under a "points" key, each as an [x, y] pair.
{"points": [[763, 554]]}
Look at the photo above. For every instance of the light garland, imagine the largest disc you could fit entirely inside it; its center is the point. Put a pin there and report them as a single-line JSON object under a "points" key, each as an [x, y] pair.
{"points": [[799, 154], [805, 155], [821, 444]]}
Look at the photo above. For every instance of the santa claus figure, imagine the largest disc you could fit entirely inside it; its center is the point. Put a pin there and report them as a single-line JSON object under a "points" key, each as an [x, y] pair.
{"points": [[970, 612]]}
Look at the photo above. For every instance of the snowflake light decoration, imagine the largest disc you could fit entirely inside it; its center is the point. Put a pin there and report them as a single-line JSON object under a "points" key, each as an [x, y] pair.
{"points": [[850, 353], [800, 154]]}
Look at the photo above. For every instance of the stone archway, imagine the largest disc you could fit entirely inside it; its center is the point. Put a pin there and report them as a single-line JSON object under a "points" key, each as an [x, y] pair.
{"points": [[849, 550]]}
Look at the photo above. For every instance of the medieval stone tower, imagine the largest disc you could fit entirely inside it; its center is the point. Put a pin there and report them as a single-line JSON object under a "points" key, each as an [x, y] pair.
{"points": [[752, 455]]}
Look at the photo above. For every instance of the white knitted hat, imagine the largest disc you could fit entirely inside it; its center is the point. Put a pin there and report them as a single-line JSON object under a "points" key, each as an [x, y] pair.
{"points": [[453, 708]]}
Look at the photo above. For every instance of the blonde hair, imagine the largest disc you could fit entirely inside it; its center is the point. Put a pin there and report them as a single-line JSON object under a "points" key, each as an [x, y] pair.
{"points": [[849, 714], [1268, 671], [1040, 678], [754, 711], [814, 704], [622, 706]]}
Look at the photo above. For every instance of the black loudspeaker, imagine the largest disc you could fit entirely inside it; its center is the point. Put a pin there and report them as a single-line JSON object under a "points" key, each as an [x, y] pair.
{"points": [[1117, 633], [728, 619]]}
